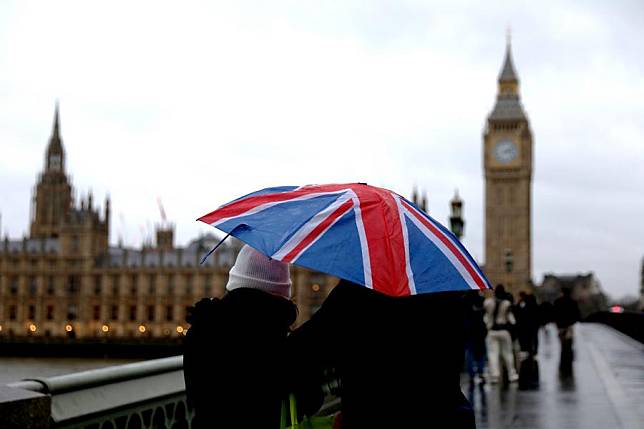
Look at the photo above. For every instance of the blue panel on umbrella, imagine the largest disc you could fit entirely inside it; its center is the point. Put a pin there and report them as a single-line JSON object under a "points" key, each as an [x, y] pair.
{"points": [[269, 229], [337, 251], [457, 243], [433, 272]]}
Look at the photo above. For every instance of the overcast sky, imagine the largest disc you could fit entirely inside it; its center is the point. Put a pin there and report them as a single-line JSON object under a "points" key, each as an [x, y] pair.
{"points": [[202, 103]]}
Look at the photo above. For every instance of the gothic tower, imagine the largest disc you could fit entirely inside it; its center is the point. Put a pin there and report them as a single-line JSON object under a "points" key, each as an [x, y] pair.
{"points": [[507, 163], [52, 199]]}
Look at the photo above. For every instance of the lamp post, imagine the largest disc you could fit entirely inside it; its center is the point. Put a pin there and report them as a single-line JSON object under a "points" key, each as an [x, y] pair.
{"points": [[456, 222]]}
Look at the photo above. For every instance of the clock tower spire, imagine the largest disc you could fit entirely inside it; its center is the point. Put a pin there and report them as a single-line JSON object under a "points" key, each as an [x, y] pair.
{"points": [[507, 164]]}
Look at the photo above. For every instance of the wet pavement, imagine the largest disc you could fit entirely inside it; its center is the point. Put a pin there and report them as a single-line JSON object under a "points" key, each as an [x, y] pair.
{"points": [[605, 391]]}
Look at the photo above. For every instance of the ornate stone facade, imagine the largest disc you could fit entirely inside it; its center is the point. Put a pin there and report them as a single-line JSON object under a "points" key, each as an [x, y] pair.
{"points": [[507, 162], [65, 279]]}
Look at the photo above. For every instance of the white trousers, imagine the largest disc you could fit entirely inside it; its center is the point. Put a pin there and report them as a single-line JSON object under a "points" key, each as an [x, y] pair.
{"points": [[500, 342]]}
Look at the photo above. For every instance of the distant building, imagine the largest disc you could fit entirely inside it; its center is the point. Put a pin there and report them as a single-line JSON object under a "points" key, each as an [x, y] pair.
{"points": [[586, 290], [66, 280]]}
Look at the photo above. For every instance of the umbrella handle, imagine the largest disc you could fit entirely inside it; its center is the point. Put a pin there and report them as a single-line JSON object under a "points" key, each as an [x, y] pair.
{"points": [[213, 249]]}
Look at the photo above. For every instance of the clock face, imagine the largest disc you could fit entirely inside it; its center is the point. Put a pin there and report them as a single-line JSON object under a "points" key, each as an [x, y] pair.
{"points": [[54, 161], [505, 151]]}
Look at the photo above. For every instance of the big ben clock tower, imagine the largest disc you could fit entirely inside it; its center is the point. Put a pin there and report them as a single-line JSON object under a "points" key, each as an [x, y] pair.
{"points": [[507, 162]]}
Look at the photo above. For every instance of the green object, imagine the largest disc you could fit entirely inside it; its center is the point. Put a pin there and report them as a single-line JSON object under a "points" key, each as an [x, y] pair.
{"points": [[290, 410]]}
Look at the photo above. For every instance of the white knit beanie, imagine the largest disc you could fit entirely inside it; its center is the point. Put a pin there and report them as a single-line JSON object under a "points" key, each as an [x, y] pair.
{"points": [[254, 270]]}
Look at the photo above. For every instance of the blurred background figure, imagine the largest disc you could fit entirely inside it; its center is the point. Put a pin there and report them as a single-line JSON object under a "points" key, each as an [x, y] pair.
{"points": [[475, 333], [528, 323], [566, 314], [499, 321]]}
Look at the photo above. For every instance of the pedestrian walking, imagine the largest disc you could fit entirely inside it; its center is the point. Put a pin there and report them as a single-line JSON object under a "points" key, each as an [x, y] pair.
{"points": [[566, 314], [499, 320], [475, 333]]}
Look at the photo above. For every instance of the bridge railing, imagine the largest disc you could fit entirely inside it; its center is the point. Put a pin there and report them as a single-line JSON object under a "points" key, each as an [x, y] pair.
{"points": [[149, 394]]}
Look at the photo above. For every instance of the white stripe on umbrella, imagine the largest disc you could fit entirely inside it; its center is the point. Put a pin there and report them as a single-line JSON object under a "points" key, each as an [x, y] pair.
{"points": [[410, 273]]}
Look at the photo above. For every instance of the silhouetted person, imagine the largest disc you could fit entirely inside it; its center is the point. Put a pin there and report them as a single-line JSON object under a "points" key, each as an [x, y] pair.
{"points": [[236, 364], [399, 359], [475, 333], [499, 321], [528, 322], [566, 314]]}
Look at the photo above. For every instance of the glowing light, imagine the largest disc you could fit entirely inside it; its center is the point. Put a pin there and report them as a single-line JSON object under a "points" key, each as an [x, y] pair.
{"points": [[180, 329], [105, 328], [141, 328], [617, 309], [315, 287], [32, 327], [69, 328], [0, 328]]}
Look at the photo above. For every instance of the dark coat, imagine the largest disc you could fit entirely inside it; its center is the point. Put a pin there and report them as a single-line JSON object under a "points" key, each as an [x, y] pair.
{"points": [[565, 311], [399, 359], [235, 359]]}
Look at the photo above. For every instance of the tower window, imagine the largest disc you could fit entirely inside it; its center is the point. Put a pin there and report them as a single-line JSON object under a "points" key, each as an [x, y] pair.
{"points": [[132, 313], [13, 312], [151, 313], [169, 313], [96, 312], [115, 312], [33, 286]]}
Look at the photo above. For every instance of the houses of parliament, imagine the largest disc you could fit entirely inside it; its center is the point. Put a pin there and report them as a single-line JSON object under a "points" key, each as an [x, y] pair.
{"points": [[66, 280]]}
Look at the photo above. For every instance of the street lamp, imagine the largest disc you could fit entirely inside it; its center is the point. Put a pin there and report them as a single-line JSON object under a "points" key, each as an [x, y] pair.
{"points": [[456, 222]]}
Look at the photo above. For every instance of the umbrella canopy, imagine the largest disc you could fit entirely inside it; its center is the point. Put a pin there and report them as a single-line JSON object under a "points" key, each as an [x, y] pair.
{"points": [[365, 234]]}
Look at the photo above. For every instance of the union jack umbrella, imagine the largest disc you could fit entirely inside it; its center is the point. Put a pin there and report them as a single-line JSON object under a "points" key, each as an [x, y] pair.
{"points": [[361, 233]]}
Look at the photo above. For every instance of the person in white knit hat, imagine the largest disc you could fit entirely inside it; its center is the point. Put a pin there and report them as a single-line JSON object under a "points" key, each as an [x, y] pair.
{"points": [[236, 365], [255, 271]]}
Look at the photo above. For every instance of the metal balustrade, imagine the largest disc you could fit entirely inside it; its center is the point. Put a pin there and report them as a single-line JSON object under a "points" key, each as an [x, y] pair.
{"points": [[148, 394]]}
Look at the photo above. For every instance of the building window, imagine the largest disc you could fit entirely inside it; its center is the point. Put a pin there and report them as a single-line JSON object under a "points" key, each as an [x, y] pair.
{"points": [[98, 285], [189, 284], [32, 312], [132, 313], [13, 312], [73, 285], [50, 285], [115, 312], [115, 285], [170, 284], [133, 285], [33, 286], [75, 244], [50, 312], [169, 313], [97, 313], [151, 313], [13, 287], [152, 284], [72, 312]]}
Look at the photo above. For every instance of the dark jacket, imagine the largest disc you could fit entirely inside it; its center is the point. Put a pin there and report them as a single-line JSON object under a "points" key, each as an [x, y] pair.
{"points": [[399, 359], [565, 311], [235, 359]]}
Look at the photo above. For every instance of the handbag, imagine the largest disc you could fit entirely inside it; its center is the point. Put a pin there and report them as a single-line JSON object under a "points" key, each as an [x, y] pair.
{"points": [[289, 412]]}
